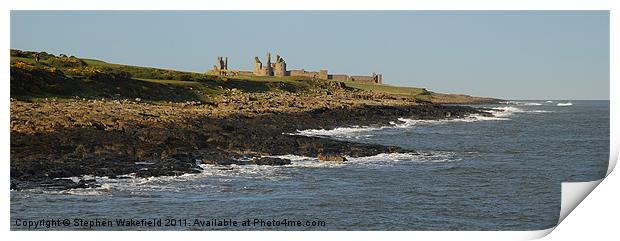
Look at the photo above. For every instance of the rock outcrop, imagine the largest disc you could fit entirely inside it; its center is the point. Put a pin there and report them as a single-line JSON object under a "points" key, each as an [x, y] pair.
{"points": [[331, 158]]}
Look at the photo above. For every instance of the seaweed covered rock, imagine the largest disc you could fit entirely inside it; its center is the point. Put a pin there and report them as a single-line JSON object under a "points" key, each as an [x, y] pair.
{"points": [[331, 158], [271, 161]]}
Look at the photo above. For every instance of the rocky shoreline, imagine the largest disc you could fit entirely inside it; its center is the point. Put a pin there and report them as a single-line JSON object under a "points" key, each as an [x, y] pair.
{"points": [[52, 140]]}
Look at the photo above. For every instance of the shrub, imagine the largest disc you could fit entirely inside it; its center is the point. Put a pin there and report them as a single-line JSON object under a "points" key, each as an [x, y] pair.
{"points": [[66, 62]]}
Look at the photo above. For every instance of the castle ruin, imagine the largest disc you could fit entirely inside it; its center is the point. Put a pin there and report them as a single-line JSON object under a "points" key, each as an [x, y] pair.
{"points": [[279, 69], [221, 67]]}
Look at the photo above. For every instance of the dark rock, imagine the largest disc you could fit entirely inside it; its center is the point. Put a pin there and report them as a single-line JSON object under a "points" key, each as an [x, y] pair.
{"points": [[224, 161], [271, 161], [54, 184], [84, 183], [331, 158], [14, 184]]}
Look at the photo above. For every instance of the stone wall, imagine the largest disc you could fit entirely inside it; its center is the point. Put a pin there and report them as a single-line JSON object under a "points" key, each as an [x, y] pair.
{"points": [[323, 74], [361, 78], [338, 77], [246, 73], [374, 78], [304, 73]]}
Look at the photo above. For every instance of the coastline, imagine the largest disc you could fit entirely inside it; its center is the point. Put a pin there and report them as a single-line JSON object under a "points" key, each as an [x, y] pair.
{"points": [[57, 139]]}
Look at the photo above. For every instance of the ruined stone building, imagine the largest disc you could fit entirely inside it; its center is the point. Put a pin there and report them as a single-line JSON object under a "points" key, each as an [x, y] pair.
{"points": [[221, 67], [263, 70], [279, 69]]}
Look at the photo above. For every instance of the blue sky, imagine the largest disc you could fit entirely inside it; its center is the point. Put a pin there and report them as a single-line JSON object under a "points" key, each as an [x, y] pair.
{"points": [[505, 54]]}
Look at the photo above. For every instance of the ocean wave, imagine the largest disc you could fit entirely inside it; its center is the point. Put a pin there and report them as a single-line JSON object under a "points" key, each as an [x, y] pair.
{"points": [[475, 118], [245, 171], [509, 110], [524, 103], [352, 132], [305, 161], [124, 183], [393, 158], [565, 104], [91, 191], [381, 159], [405, 123], [95, 191], [505, 111]]}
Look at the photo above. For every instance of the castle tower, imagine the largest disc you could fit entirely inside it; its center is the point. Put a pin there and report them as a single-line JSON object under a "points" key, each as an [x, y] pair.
{"points": [[323, 74], [226, 63], [258, 67], [218, 63], [268, 65], [279, 67]]}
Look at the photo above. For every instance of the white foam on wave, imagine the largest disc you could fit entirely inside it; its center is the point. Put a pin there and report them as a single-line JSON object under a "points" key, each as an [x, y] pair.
{"points": [[245, 171], [549, 101], [95, 191], [352, 132], [565, 104], [125, 183], [382, 159], [357, 132], [74, 179], [91, 191], [393, 158], [406, 123], [505, 111], [531, 104], [524, 103], [305, 161], [498, 114], [509, 110], [474, 118]]}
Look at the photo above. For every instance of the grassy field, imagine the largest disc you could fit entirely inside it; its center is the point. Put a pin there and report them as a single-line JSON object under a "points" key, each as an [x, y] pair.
{"points": [[418, 93]]}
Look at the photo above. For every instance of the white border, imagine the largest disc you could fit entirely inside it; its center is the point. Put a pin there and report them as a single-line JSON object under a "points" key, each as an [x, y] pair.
{"points": [[313, 5]]}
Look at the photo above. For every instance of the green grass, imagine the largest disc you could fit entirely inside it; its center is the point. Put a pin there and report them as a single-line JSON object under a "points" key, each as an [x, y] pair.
{"points": [[419, 93], [100, 63], [27, 60], [270, 78]]}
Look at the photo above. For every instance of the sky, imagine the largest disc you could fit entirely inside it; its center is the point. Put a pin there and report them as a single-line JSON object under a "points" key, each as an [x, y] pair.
{"points": [[504, 54]]}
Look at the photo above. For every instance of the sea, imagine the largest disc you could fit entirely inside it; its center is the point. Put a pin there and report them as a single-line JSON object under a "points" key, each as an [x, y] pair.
{"points": [[475, 173]]}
